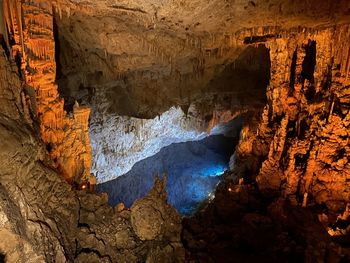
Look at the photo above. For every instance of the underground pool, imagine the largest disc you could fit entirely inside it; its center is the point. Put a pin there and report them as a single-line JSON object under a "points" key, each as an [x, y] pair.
{"points": [[193, 170]]}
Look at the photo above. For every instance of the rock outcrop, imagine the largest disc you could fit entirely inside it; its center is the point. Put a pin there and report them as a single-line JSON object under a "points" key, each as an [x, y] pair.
{"points": [[151, 217], [42, 219], [119, 142], [293, 163], [30, 26], [240, 224], [148, 57], [303, 138]]}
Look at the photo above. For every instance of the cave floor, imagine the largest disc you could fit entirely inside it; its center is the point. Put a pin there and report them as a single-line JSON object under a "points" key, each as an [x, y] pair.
{"points": [[240, 225]]}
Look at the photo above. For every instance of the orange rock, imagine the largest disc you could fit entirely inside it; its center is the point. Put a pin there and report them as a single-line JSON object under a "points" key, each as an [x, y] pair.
{"points": [[302, 142], [66, 137]]}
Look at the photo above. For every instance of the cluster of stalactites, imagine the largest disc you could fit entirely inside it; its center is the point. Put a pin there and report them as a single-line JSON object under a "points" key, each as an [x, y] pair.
{"points": [[305, 129], [27, 31], [11, 27]]}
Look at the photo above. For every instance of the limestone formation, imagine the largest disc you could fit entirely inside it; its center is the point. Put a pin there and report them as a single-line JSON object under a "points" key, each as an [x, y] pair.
{"points": [[151, 73], [30, 24], [310, 145], [118, 142], [152, 216]]}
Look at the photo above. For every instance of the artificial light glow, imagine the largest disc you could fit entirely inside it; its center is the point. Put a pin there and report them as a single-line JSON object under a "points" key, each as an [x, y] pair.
{"points": [[214, 170], [193, 171], [211, 196]]}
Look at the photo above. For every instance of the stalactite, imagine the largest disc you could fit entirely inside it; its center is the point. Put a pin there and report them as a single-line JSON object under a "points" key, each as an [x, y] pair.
{"points": [[321, 179], [42, 80]]}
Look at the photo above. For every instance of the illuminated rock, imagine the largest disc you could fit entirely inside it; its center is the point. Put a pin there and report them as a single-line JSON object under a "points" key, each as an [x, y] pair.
{"points": [[41, 218], [66, 136], [118, 142], [148, 56], [303, 138]]}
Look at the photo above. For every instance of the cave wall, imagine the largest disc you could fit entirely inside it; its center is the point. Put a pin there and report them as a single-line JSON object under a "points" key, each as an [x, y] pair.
{"points": [[132, 95], [167, 49], [139, 59], [301, 147], [119, 142], [42, 219], [23, 177], [31, 42], [193, 170]]}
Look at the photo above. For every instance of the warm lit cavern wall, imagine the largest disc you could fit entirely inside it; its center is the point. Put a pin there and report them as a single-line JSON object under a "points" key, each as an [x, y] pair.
{"points": [[302, 142], [43, 220], [156, 82], [30, 30], [173, 50]]}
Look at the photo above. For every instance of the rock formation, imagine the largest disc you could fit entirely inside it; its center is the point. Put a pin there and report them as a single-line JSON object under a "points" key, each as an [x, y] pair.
{"points": [[118, 142], [30, 25], [43, 220], [303, 138], [240, 224], [293, 165], [283, 66]]}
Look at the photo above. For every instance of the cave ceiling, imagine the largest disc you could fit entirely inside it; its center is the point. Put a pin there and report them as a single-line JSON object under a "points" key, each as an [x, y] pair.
{"points": [[150, 55]]}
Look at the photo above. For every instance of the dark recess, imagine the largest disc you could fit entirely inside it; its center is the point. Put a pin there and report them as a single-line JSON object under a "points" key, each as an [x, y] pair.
{"points": [[2, 258], [258, 39], [4, 46], [57, 49], [309, 62], [292, 71]]}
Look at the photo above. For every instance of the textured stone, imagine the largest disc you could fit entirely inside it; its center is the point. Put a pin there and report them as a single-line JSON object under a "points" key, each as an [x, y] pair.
{"points": [[152, 216], [301, 144], [146, 220], [146, 57], [41, 218], [66, 137]]}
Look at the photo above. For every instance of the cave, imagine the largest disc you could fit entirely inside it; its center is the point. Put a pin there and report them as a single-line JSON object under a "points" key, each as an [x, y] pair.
{"points": [[192, 169], [174, 131]]}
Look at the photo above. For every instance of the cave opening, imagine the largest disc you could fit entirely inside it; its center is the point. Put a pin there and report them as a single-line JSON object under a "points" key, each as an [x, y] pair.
{"points": [[193, 170]]}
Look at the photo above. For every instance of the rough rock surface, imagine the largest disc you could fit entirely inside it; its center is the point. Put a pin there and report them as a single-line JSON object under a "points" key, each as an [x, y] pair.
{"points": [[301, 147], [30, 24], [119, 142], [140, 58], [295, 161], [242, 225], [43, 220], [147, 57], [150, 218], [175, 51]]}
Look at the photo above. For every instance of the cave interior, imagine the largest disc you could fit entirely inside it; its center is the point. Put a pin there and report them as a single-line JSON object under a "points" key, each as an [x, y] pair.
{"points": [[174, 131]]}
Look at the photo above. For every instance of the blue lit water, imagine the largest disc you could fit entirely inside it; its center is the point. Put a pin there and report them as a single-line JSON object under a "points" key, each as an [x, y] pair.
{"points": [[193, 171]]}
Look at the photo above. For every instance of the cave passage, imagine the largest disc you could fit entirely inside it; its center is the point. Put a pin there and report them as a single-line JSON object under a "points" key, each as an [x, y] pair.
{"points": [[193, 170]]}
